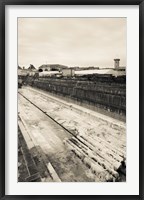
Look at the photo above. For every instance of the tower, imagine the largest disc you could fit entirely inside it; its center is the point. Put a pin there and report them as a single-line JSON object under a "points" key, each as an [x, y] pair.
{"points": [[116, 63]]}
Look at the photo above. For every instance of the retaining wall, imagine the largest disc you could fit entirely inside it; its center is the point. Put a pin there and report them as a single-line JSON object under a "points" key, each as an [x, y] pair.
{"points": [[110, 96]]}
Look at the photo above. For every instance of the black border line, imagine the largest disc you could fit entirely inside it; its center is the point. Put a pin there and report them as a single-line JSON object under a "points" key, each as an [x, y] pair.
{"points": [[71, 2], [3, 3], [141, 100], [2, 101]]}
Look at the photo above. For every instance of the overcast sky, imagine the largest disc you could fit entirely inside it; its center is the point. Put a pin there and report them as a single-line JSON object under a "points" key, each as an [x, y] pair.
{"points": [[71, 41]]}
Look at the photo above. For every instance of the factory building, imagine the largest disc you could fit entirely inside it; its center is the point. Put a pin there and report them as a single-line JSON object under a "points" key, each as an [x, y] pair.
{"points": [[52, 67]]}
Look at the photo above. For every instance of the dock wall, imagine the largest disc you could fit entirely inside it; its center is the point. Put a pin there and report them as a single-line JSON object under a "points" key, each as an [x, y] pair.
{"points": [[108, 97]]}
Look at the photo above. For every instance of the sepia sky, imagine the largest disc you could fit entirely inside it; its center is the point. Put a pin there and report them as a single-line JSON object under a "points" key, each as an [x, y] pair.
{"points": [[71, 41]]}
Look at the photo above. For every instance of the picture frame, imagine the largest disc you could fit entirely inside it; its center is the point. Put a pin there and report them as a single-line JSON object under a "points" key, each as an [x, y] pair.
{"points": [[3, 100]]}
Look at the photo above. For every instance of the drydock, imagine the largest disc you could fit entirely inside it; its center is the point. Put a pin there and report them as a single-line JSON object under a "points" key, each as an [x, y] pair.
{"points": [[72, 77], [61, 141]]}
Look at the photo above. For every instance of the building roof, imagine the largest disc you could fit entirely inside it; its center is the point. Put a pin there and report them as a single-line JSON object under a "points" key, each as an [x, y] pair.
{"points": [[94, 71], [19, 67], [31, 67], [52, 65], [101, 71]]}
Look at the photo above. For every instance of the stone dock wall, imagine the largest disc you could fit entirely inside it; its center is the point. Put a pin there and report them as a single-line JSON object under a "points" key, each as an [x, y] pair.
{"points": [[106, 95]]}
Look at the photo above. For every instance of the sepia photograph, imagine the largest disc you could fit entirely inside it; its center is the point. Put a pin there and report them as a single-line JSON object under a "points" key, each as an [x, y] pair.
{"points": [[71, 99]]}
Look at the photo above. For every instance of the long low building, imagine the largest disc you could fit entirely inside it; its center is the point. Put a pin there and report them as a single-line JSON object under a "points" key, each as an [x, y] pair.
{"points": [[101, 72]]}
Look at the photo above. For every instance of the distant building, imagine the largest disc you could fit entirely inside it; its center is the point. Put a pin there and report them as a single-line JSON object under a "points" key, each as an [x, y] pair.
{"points": [[101, 72], [84, 68], [68, 72], [52, 67], [75, 68], [31, 67], [19, 67], [121, 68], [22, 72], [117, 67], [30, 71], [116, 63], [92, 67]]}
